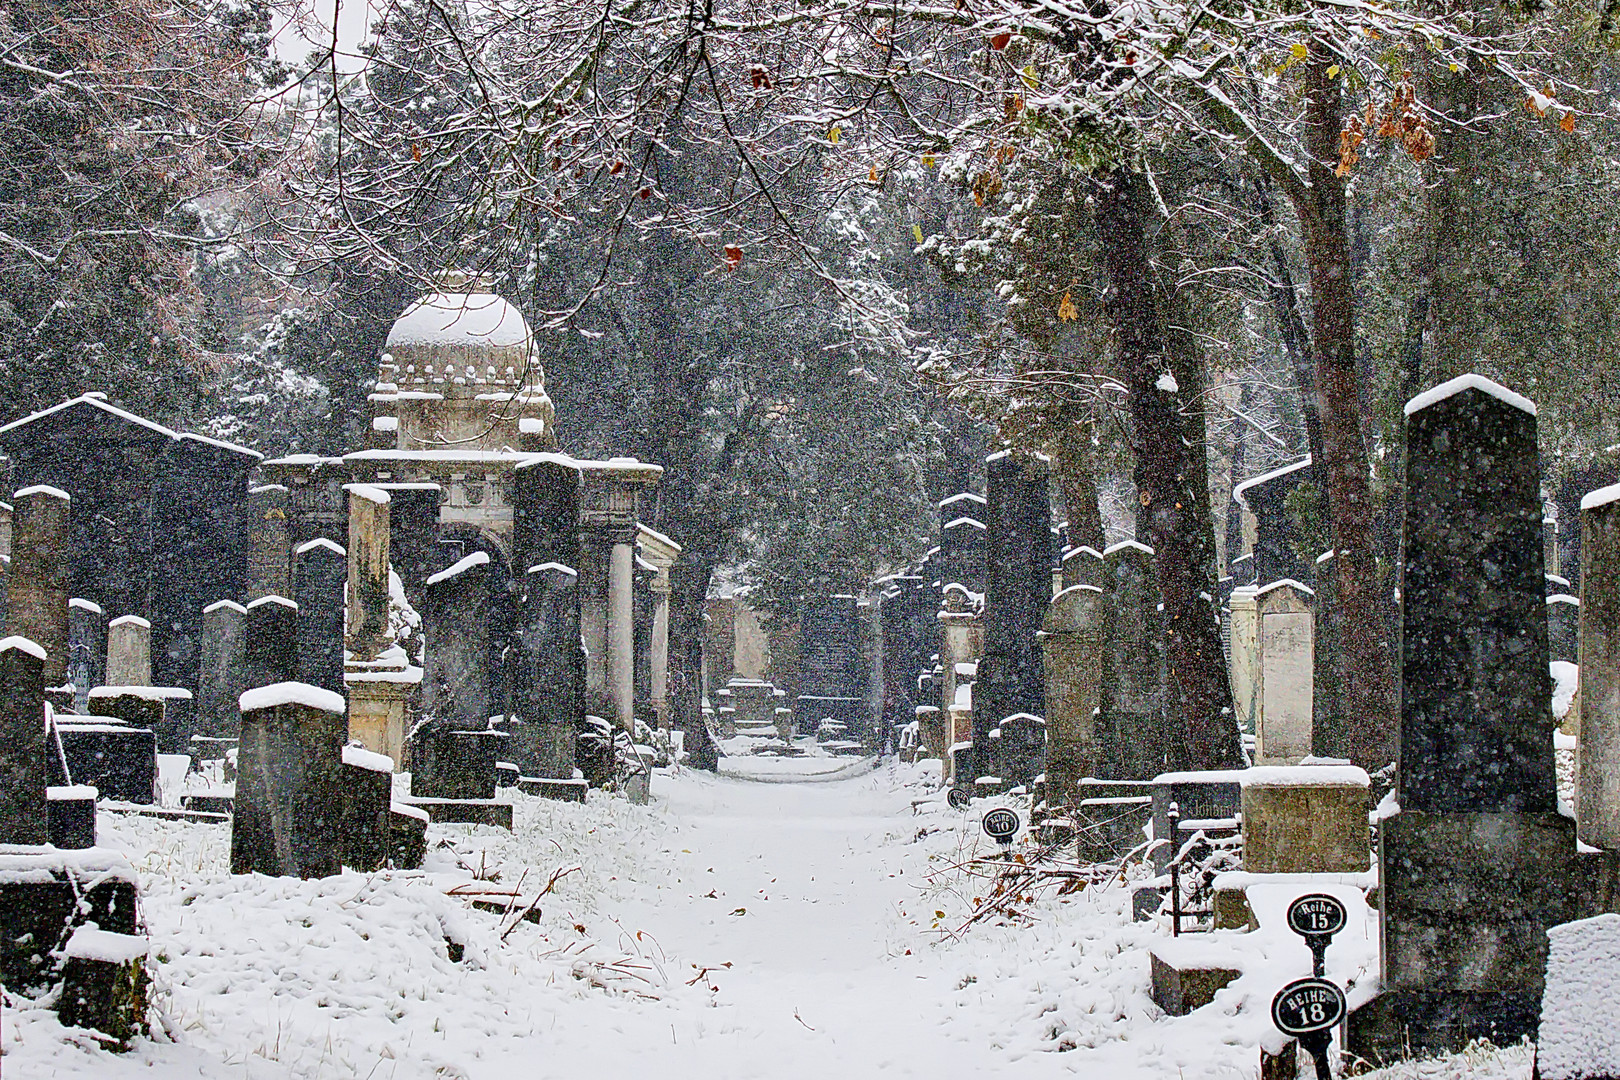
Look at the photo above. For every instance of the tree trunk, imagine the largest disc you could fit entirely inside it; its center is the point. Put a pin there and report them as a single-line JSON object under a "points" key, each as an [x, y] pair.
{"points": [[1171, 481], [1364, 664], [1074, 469]]}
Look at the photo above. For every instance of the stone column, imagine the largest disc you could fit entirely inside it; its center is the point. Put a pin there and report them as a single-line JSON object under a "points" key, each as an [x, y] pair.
{"points": [[621, 641], [367, 572], [1475, 865], [1287, 674], [660, 650], [24, 766], [221, 675], [87, 648], [320, 570], [40, 574], [1072, 649], [129, 652], [1597, 785]]}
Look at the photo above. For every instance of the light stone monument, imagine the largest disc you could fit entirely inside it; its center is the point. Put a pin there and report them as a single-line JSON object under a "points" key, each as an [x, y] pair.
{"points": [[1287, 673]]}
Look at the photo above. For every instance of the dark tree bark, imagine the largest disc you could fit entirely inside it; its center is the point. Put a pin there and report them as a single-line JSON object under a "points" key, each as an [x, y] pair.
{"points": [[1365, 668], [1171, 479], [1074, 469]]}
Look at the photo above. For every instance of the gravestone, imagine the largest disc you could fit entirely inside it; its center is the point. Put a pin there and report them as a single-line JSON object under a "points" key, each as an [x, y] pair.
{"points": [[1276, 538], [1072, 647], [320, 570], [829, 665], [288, 815], [24, 764], [1474, 866], [1137, 739], [960, 558], [222, 674], [40, 573], [1243, 654], [270, 641], [1083, 566], [550, 701], [366, 621], [269, 558], [455, 629], [1305, 819], [1597, 783], [1018, 588], [87, 648], [129, 652], [1287, 670], [1020, 742], [1563, 627], [413, 534]]}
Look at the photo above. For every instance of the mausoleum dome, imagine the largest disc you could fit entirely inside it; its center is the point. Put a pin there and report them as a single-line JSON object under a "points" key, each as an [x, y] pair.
{"points": [[472, 352]]}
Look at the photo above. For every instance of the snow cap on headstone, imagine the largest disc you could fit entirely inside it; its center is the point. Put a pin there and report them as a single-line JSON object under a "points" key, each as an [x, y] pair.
{"points": [[1469, 382]]}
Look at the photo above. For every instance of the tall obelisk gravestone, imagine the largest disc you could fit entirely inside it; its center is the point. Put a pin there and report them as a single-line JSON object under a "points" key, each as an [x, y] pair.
{"points": [[1475, 865]]}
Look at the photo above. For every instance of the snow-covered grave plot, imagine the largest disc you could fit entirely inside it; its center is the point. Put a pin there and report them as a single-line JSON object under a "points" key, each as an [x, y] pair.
{"points": [[731, 929]]}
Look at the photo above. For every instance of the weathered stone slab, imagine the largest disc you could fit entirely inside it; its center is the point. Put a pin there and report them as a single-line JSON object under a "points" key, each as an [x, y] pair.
{"points": [[222, 673], [1597, 785], [289, 810], [1287, 673], [1307, 819], [24, 765], [118, 760], [320, 570], [87, 648], [129, 652], [40, 574], [1072, 643]]}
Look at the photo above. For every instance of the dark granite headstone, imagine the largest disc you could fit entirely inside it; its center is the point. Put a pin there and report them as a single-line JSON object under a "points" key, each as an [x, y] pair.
{"points": [[1563, 627], [270, 642], [447, 763], [222, 674], [24, 766], [550, 686], [116, 758], [1475, 865], [413, 534], [1136, 739], [87, 648], [1020, 744], [960, 558], [829, 665], [1018, 589], [71, 813], [44, 896], [1277, 540], [456, 676], [320, 569], [288, 815]]}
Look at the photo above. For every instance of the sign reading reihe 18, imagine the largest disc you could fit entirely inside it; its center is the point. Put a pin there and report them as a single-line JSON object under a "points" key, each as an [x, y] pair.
{"points": [[1307, 1006]]}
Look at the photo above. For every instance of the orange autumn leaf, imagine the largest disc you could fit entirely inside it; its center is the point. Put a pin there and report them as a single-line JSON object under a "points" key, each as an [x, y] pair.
{"points": [[1066, 309], [1000, 41], [1567, 124], [733, 256]]}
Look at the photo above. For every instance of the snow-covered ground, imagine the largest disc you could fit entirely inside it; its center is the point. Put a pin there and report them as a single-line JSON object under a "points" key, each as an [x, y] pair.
{"points": [[733, 929]]}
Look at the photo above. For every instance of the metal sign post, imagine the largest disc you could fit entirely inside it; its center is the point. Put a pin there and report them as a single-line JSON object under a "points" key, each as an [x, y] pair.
{"points": [[1316, 918], [1001, 825], [1309, 1009]]}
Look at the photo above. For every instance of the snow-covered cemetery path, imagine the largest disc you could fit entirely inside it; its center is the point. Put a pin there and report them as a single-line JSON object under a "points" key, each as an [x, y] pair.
{"points": [[756, 925]]}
